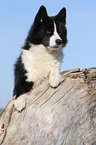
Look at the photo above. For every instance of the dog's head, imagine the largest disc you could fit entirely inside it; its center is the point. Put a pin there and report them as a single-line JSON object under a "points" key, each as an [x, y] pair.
{"points": [[49, 31]]}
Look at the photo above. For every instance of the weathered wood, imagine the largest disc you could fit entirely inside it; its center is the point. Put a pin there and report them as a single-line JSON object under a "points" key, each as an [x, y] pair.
{"points": [[1, 111], [65, 115]]}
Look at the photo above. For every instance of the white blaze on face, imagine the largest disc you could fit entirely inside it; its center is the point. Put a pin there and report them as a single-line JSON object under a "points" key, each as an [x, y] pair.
{"points": [[54, 37]]}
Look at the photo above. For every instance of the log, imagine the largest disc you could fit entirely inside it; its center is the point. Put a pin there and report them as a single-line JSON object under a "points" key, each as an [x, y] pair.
{"points": [[1, 111], [65, 115]]}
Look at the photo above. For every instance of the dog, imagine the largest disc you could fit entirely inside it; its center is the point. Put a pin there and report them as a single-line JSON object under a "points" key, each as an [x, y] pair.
{"points": [[41, 55]]}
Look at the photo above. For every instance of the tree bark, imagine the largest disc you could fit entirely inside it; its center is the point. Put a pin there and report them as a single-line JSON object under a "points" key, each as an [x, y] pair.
{"points": [[65, 115]]}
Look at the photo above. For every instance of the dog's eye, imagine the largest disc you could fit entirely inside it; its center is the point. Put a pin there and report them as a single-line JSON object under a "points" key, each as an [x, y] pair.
{"points": [[48, 32]]}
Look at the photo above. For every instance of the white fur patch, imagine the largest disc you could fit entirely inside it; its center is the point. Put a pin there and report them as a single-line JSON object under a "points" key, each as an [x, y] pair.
{"points": [[40, 63], [52, 41]]}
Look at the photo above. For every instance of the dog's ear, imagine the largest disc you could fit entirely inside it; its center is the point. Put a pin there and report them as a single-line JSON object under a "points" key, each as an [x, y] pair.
{"points": [[61, 16], [41, 15]]}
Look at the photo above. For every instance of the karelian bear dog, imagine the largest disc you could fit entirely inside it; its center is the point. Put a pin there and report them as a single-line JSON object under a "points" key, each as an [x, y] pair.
{"points": [[41, 55]]}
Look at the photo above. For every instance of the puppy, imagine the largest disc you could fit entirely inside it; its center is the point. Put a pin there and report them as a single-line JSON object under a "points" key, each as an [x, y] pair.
{"points": [[41, 56]]}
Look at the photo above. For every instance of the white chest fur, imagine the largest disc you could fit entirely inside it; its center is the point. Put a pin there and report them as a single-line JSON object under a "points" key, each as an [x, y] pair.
{"points": [[40, 63]]}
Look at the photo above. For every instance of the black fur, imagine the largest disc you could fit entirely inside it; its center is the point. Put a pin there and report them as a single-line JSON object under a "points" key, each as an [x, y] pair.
{"points": [[40, 32], [21, 85]]}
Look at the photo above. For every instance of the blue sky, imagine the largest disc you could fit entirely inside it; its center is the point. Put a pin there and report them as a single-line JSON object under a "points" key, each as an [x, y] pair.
{"points": [[16, 17]]}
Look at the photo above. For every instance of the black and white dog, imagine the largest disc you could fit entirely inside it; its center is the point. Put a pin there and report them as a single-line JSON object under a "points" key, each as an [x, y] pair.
{"points": [[41, 55]]}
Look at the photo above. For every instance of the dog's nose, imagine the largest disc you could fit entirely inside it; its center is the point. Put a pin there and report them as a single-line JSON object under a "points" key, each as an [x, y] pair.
{"points": [[58, 41]]}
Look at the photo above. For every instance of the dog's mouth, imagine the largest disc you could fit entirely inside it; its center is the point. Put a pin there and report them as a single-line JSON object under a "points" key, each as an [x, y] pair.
{"points": [[56, 47]]}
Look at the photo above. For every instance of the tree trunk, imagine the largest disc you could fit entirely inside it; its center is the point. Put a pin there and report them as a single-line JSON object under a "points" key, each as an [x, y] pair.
{"points": [[65, 115]]}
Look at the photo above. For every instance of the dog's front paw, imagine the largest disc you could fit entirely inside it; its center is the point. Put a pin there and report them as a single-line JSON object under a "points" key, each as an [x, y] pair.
{"points": [[54, 83], [20, 103]]}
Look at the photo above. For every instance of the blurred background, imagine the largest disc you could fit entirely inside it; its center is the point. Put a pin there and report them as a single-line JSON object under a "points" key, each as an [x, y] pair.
{"points": [[16, 18]]}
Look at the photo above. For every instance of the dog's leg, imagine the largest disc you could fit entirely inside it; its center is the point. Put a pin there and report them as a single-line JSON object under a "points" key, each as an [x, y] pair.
{"points": [[54, 77], [19, 92], [20, 103]]}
